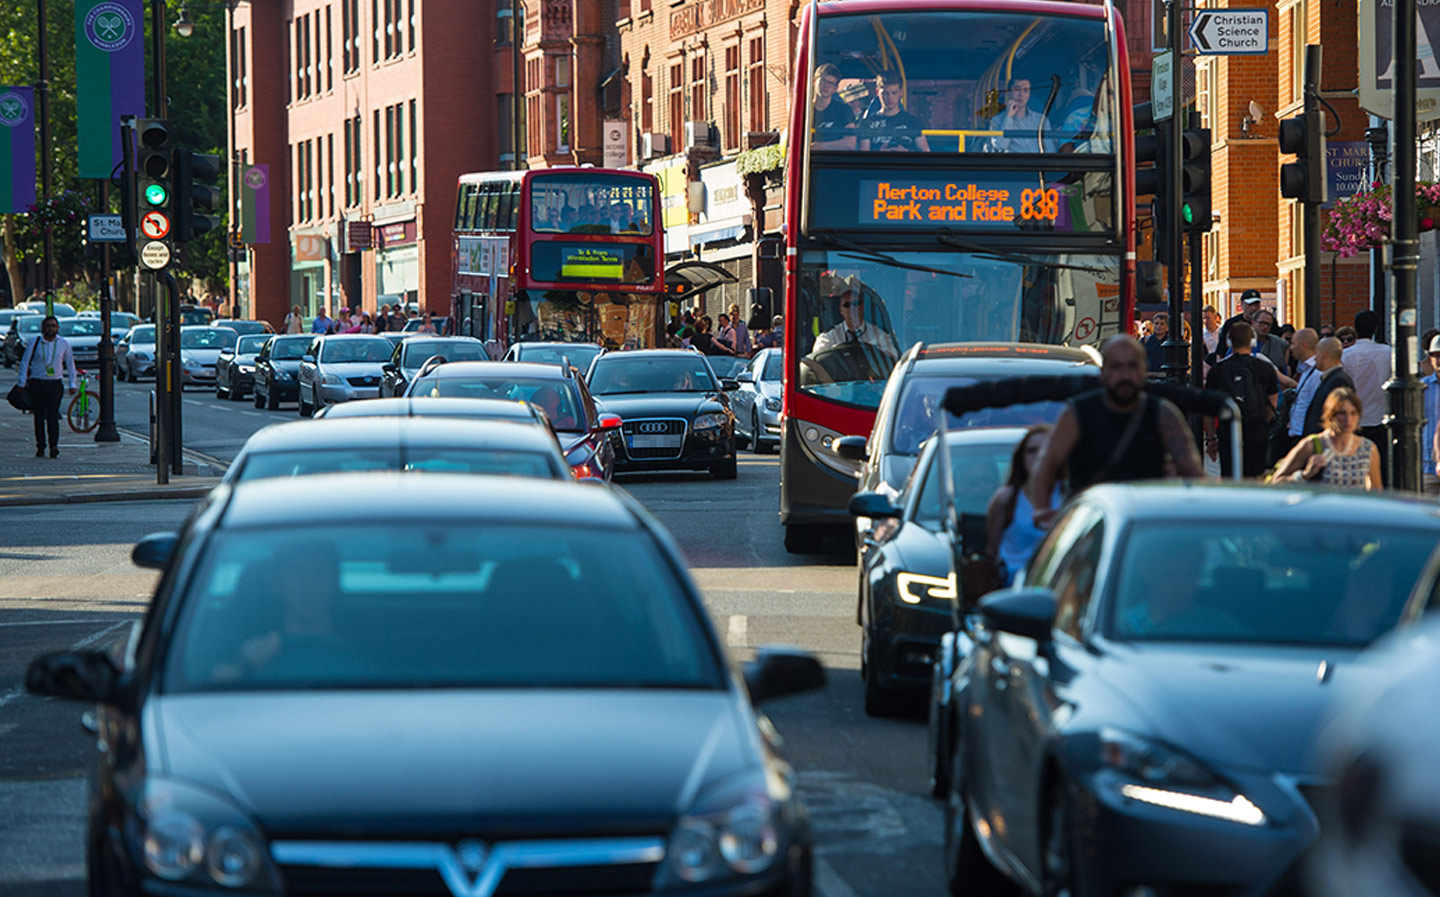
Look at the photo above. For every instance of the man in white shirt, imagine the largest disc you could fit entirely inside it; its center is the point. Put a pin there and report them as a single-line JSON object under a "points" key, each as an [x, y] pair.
{"points": [[853, 328], [1369, 365], [43, 363], [1020, 125]]}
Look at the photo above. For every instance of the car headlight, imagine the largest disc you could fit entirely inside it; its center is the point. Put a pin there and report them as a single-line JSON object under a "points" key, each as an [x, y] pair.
{"points": [[916, 587], [736, 831], [333, 380], [141, 356], [279, 374], [708, 421], [247, 368], [183, 833], [772, 404], [1168, 778], [189, 361]]}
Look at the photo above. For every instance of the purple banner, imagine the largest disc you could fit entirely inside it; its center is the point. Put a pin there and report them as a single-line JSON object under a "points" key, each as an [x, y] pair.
{"points": [[255, 204], [17, 148], [109, 76]]}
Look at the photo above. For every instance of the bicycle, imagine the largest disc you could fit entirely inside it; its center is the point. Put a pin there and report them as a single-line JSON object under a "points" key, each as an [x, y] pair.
{"points": [[84, 411]]}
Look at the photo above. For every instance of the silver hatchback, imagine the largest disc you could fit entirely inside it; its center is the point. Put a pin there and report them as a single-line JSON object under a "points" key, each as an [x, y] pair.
{"points": [[341, 367]]}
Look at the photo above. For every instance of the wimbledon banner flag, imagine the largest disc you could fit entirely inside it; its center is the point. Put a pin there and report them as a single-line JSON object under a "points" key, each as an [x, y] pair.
{"points": [[255, 205], [17, 148], [110, 78]]}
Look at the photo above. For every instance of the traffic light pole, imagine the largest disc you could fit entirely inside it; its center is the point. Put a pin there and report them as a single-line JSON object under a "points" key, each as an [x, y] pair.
{"points": [[1405, 415], [174, 370], [1311, 210], [162, 390], [1176, 360], [106, 431]]}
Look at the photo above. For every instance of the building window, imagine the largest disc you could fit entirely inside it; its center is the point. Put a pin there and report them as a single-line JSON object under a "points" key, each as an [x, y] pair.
{"points": [[677, 106], [732, 97], [755, 74], [348, 148], [389, 151], [400, 165], [562, 121], [410, 24], [697, 89], [350, 30], [379, 157], [376, 32], [305, 61], [354, 168], [647, 100], [329, 56], [414, 151], [329, 175], [239, 88]]}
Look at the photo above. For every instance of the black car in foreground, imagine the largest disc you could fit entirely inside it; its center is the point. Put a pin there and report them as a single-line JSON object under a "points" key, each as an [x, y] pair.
{"points": [[1140, 715], [675, 411], [907, 579], [432, 685], [277, 369]]}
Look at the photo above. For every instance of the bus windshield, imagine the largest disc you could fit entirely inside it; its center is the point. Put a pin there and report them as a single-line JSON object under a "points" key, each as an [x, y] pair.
{"points": [[591, 203], [963, 82], [612, 320], [857, 313]]}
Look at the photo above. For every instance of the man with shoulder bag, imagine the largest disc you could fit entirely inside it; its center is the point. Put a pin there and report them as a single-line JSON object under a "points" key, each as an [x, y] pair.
{"points": [[45, 361], [1254, 386]]}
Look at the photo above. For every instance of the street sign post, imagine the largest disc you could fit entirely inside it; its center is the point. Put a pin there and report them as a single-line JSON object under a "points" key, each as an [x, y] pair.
{"points": [[1161, 89], [105, 229], [1231, 32]]}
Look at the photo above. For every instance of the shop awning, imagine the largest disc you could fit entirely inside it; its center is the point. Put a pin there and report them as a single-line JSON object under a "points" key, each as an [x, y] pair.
{"points": [[693, 277]]}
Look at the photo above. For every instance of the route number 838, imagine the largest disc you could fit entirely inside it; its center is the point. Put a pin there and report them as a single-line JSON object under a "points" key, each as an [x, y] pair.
{"points": [[1039, 205]]}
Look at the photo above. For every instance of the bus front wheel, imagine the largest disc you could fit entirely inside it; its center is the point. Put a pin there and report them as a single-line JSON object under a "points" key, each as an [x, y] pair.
{"points": [[802, 539]]}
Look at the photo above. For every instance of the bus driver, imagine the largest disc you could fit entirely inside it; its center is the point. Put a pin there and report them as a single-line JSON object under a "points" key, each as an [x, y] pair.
{"points": [[853, 328]]}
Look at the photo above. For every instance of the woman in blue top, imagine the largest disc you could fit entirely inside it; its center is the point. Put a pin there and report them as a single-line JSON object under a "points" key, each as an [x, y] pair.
{"points": [[1011, 533]]}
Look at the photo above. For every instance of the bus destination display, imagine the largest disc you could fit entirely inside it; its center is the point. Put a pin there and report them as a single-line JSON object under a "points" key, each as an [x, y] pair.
{"points": [[592, 263], [956, 202]]}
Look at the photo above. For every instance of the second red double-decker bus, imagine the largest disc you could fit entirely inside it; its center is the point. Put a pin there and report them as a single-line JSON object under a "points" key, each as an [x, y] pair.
{"points": [[958, 170], [559, 254]]}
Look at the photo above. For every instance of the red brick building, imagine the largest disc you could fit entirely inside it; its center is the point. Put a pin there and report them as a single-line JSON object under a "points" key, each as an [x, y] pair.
{"points": [[366, 113]]}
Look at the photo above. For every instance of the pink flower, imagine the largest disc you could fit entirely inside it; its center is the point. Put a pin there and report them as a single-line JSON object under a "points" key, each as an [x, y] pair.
{"points": [[1427, 223]]}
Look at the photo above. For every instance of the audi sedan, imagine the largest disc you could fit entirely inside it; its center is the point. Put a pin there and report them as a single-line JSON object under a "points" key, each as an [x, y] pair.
{"points": [[339, 368], [277, 369], [428, 685], [235, 368], [676, 412], [1140, 715]]}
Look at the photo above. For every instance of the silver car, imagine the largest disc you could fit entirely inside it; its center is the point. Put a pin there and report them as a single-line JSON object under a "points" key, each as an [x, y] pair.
{"points": [[135, 353], [200, 347], [83, 335], [341, 367], [757, 402]]}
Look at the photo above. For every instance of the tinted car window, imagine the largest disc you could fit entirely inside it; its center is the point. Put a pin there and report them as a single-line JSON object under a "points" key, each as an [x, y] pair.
{"points": [[1300, 583], [347, 350], [288, 349], [558, 398], [416, 353], [216, 338], [80, 327], [478, 606], [307, 462], [580, 355], [726, 367], [681, 372], [921, 396], [248, 345], [30, 324], [976, 472], [774, 367], [144, 333]]}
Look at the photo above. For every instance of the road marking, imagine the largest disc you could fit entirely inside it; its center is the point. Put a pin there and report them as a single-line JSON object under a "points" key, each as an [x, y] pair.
{"points": [[735, 634], [11, 695], [89, 640], [828, 882], [51, 622]]}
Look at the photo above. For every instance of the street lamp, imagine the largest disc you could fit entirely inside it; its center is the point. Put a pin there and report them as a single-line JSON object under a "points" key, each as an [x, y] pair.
{"points": [[183, 25]]}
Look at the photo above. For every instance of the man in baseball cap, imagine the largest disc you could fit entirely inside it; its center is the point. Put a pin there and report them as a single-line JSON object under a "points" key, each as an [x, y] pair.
{"points": [[1249, 306]]}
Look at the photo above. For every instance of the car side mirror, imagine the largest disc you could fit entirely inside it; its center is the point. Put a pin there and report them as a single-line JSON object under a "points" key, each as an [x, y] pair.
{"points": [[75, 675], [780, 670], [873, 505], [744, 377], [610, 421], [389, 367], [729, 385], [852, 448], [1024, 612], [155, 550]]}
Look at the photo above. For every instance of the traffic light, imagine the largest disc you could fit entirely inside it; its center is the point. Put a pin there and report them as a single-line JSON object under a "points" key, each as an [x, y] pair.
{"points": [[1303, 136], [196, 194], [153, 193], [1195, 204], [1154, 148]]}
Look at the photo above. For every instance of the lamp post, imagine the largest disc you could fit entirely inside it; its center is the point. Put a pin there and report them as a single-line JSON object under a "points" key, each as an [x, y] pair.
{"points": [[518, 28]]}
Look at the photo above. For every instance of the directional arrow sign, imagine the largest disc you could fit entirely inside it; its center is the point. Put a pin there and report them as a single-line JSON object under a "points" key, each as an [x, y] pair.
{"points": [[1231, 32]]}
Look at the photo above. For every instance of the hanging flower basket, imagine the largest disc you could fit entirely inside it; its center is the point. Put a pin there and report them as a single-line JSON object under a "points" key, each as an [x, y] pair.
{"points": [[1362, 222]]}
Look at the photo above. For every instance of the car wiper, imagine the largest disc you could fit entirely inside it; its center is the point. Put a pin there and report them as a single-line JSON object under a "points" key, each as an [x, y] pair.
{"points": [[624, 392], [829, 236], [947, 236]]}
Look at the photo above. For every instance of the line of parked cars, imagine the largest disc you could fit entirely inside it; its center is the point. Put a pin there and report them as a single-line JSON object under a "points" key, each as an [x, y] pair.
{"points": [[1143, 711]]}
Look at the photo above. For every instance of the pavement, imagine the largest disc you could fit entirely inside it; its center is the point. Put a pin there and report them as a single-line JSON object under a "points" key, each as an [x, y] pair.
{"points": [[89, 471]]}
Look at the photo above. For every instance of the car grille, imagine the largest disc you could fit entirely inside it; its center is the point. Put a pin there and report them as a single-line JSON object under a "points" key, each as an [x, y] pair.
{"points": [[363, 381], [598, 867], [659, 439]]}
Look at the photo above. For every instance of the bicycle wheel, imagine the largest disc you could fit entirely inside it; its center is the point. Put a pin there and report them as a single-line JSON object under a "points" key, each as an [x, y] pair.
{"points": [[83, 413]]}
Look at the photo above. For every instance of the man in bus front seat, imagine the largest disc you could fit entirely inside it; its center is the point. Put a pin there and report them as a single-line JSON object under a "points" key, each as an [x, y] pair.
{"points": [[1020, 125], [620, 220], [853, 328], [891, 128]]}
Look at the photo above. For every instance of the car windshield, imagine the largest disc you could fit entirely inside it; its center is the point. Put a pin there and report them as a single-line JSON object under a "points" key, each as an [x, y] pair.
{"points": [[726, 367], [617, 375], [349, 349], [289, 349], [921, 396], [144, 333], [479, 606], [417, 352], [243, 326], [774, 368], [249, 345], [579, 354], [1262, 582], [31, 324], [307, 462], [80, 327], [976, 471], [207, 338], [559, 399]]}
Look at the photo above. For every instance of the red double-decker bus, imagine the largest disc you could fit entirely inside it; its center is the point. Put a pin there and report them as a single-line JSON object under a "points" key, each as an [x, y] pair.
{"points": [[559, 254], [958, 170]]}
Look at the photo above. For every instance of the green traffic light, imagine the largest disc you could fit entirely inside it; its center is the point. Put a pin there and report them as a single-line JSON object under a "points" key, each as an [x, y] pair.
{"points": [[1187, 213], [156, 194]]}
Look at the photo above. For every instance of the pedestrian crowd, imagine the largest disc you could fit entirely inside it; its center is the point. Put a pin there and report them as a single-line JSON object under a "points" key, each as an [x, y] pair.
{"points": [[391, 318], [727, 333]]}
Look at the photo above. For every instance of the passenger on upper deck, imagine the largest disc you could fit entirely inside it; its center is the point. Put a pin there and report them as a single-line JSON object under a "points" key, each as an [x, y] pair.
{"points": [[892, 128], [834, 122], [622, 220], [1020, 125]]}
